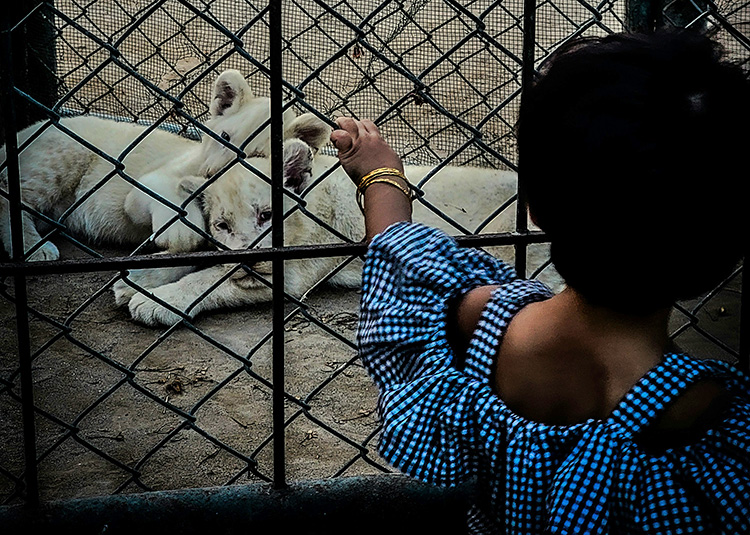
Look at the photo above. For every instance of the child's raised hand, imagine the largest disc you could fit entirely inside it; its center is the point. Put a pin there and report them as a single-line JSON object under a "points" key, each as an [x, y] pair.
{"points": [[362, 148]]}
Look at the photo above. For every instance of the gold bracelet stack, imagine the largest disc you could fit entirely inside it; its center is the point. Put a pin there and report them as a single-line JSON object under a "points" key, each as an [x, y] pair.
{"points": [[381, 175]]}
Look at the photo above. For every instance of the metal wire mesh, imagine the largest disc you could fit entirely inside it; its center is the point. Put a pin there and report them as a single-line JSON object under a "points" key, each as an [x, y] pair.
{"points": [[123, 408]]}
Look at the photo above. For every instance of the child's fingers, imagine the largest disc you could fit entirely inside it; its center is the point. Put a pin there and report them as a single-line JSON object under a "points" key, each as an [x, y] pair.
{"points": [[362, 129], [342, 140], [357, 128], [348, 125], [370, 127]]}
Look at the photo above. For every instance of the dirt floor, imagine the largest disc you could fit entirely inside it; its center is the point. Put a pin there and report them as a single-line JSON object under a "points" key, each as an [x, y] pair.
{"points": [[180, 407]]}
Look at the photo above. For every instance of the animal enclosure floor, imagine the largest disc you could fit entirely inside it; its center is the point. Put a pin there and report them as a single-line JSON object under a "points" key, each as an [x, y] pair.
{"points": [[183, 408]]}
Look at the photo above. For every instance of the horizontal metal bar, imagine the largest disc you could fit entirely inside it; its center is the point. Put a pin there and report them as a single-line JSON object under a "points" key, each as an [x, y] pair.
{"points": [[249, 257]]}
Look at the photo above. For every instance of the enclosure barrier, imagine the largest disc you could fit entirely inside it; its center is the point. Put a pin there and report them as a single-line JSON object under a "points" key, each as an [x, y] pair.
{"points": [[403, 63], [389, 503]]}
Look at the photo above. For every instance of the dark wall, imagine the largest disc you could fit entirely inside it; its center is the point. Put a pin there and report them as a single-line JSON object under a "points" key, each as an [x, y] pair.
{"points": [[32, 56]]}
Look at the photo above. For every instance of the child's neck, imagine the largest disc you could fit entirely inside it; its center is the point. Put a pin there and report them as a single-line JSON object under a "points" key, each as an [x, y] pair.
{"points": [[610, 334]]}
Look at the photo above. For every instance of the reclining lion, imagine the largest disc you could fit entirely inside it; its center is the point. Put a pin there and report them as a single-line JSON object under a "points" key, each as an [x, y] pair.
{"points": [[115, 193]]}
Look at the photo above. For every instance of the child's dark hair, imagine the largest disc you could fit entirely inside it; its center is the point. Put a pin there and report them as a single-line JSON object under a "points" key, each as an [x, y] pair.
{"points": [[634, 151]]}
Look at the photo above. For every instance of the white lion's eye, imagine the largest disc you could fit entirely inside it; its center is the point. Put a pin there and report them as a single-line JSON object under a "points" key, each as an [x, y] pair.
{"points": [[265, 216], [225, 136], [221, 225]]}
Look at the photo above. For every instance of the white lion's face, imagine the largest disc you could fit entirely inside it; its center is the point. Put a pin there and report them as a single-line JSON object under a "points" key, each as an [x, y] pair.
{"points": [[237, 202], [238, 205]]}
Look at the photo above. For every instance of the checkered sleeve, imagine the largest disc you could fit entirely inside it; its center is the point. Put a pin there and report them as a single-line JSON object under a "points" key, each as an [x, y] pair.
{"points": [[431, 411], [411, 274]]}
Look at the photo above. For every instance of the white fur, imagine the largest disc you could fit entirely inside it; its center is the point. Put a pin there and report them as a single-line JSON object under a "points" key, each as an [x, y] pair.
{"points": [[57, 171], [466, 195]]}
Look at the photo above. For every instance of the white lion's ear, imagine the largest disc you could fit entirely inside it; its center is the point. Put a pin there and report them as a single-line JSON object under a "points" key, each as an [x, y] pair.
{"points": [[230, 91], [190, 184], [310, 129], [298, 159]]}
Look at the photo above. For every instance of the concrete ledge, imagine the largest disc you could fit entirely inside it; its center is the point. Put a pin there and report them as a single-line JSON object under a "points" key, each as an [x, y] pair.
{"points": [[388, 504]]}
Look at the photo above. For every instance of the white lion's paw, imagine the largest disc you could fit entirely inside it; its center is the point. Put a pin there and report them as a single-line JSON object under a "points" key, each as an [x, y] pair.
{"points": [[145, 310], [48, 251], [179, 238], [148, 279], [123, 292]]}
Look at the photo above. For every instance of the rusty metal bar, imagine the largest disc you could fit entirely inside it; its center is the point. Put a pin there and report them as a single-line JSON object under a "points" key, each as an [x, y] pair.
{"points": [[641, 15], [248, 257]]}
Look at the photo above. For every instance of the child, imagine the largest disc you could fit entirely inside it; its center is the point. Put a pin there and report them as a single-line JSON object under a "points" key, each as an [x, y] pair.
{"points": [[568, 408]]}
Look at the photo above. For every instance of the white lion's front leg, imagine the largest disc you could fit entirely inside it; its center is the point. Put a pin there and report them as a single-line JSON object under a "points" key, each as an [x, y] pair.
{"points": [[170, 233], [47, 250], [195, 293], [147, 279], [175, 235]]}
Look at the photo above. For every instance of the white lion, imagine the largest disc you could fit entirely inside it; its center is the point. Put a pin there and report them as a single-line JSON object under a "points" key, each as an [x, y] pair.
{"points": [[466, 195], [88, 192]]}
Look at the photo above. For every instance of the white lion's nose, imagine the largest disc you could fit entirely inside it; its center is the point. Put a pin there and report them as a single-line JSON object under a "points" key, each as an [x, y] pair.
{"points": [[246, 243]]}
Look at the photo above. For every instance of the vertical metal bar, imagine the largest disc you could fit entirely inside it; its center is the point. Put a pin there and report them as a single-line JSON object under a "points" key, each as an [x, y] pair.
{"points": [[527, 78], [277, 238], [16, 219]]}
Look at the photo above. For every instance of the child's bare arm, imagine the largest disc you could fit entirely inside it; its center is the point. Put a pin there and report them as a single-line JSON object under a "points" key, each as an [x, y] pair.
{"points": [[362, 149], [463, 316]]}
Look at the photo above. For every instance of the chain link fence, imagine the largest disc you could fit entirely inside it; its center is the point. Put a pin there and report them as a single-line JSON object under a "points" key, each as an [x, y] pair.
{"points": [[119, 407]]}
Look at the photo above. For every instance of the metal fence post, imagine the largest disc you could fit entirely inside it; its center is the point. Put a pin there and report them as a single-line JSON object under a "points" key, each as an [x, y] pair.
{"points": [[277, 204], [528, 71], [16, 218]]}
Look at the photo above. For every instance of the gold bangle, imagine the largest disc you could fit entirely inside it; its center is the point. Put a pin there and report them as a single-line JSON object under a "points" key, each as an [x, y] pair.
{"points": [[380, 171], [384, 180]]}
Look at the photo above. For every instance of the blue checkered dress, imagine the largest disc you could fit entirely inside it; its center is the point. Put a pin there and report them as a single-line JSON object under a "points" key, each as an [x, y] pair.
{"points": [[443, 425]]}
